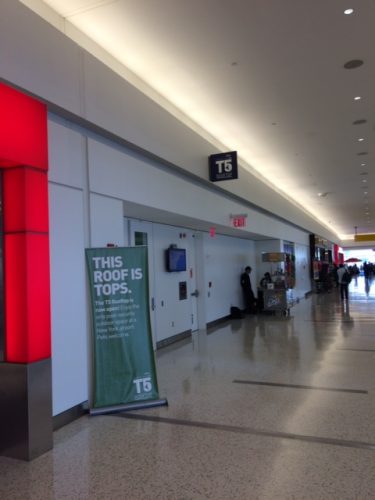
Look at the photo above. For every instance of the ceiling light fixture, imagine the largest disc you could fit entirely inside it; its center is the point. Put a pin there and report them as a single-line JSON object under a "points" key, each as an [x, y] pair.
{"points": [[357, 98], [361, 139], [348, 11]]}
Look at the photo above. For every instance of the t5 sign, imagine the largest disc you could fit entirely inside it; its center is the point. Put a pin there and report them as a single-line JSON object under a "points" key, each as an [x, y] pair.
{"points": [[223, 166]]}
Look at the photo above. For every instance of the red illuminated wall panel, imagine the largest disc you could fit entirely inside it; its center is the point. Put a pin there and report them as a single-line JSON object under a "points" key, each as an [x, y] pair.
{"points": [[23, 130], [27, 297], [23, 157], [25, 194]]}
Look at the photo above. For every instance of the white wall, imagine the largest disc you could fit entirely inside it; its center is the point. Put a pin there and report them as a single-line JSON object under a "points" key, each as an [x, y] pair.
{"points": [[118, 173], [106, 221], [303, 280], [66, 149], [173, 316], [224, 260], [68, 236], [68, 294]]}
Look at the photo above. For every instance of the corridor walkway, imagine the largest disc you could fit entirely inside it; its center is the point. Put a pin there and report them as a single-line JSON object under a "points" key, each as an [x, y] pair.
{"points": [[266, 407]]}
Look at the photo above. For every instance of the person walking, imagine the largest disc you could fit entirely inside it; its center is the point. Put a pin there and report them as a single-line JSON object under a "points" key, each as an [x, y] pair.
{"points": [[344, 279]]}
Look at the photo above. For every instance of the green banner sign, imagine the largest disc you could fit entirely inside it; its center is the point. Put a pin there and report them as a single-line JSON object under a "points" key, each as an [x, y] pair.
{"points": [[124, 366]]}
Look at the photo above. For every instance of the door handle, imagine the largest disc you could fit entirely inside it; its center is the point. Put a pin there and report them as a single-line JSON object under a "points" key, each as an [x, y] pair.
{"points": [[195, 293]]}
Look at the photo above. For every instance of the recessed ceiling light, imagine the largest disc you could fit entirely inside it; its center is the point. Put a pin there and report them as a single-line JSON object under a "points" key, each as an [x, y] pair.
{"points": [[357, 98], [364, 180], [348, 11], [361, 139], [353, 64], [363, 164]]}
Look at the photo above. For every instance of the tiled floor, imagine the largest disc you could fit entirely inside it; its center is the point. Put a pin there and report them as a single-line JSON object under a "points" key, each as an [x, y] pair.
{"points": [[261, 408]]}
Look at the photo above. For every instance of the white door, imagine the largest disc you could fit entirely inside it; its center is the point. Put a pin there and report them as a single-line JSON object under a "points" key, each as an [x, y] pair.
{"points": [[192, 280], [140, 234]]}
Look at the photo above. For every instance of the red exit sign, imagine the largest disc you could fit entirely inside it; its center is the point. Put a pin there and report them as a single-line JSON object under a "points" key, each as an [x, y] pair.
{"points": [[239, 220]]}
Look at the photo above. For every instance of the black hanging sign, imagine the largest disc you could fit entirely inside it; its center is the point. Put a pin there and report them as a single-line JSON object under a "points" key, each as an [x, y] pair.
{"points": [[223, 166]]}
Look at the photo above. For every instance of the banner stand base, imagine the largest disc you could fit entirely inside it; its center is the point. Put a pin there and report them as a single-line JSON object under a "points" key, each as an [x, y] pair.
{"points": [[128, 407]]}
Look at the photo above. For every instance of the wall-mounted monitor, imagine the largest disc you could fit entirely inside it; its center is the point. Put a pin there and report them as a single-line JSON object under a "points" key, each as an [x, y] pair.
{"points": [[176, 259]]}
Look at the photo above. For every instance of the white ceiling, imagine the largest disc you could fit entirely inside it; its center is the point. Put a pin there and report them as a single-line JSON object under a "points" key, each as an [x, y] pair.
{"points": [[265, 78]]}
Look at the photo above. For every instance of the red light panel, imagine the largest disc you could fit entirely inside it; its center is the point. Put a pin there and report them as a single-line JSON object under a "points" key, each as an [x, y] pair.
{"points": [[27, 298], [23, 141], [25, 195], [23, 130]]}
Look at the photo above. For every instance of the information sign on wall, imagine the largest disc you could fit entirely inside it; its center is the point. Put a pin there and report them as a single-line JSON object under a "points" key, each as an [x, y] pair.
{"points": [[223, 166]]}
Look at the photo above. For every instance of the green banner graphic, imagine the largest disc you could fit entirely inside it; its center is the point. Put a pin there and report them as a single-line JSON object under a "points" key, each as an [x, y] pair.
{"points": [[124, 365]]}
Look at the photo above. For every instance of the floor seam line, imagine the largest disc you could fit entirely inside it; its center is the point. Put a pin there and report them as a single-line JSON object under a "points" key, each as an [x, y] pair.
{"points": [[250, 431], [296, 386]]}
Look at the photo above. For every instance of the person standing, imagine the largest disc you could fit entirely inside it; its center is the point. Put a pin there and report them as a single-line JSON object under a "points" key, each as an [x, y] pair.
{"points": [[344, 279], [263, 284], [334, 275], [265, 281], [247, 290]]}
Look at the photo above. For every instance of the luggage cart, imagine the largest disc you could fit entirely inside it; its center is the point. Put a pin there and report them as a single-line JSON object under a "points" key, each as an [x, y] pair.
{"points": [[278, 300]]}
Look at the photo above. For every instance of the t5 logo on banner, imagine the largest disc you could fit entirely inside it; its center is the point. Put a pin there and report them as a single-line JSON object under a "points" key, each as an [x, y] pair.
{"points": [[223, 166]]}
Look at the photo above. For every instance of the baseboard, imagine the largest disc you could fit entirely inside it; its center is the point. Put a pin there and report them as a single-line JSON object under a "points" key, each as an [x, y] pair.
{"points": [[217, 322], [68, 416], [173, 339]]}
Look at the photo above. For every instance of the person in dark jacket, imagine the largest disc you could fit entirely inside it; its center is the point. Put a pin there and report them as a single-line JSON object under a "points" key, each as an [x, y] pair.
{"points": [[248, 294], [344, 280], [263, 284], [265, 280]]}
